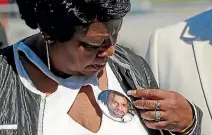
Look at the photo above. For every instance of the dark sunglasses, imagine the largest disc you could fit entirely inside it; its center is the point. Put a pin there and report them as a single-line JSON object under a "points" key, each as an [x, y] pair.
{"points": [[88, 46]]}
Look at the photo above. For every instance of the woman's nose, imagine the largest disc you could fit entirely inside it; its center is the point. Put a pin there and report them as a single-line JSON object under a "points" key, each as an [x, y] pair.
{"points": [[107, 49], [107, 52]]}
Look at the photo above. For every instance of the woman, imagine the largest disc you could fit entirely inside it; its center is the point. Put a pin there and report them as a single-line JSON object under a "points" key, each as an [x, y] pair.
{"points": [[51, 79]]}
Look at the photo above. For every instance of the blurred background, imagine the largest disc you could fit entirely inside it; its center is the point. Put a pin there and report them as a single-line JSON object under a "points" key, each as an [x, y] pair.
{"points": [[144, 18]]}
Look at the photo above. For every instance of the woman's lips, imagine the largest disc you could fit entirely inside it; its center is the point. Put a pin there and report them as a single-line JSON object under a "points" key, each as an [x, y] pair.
{"points": [[98, 66]]}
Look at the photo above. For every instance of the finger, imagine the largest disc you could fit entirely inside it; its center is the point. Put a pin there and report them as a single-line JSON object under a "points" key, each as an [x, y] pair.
{"points": [[156, 125], [165, 125], [156, 94], [149, 104], [150, 115]]}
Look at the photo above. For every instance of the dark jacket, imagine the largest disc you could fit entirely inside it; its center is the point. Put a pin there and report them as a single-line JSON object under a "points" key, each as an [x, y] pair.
{"points": [[20, 106], [3, 38]]}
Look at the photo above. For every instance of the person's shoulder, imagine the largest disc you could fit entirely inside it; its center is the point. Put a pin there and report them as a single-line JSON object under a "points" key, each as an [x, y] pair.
{"points": [[129, 56], [126, 53], [3, 53], [201, 18], [7, 59], [138, 65], [176, 30]]}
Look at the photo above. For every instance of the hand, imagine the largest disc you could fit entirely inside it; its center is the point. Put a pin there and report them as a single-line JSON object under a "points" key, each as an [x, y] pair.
{"points": [[175, 110]]}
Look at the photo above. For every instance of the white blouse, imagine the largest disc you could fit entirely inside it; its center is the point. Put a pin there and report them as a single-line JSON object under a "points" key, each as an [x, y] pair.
{"points": [[56, 120]]}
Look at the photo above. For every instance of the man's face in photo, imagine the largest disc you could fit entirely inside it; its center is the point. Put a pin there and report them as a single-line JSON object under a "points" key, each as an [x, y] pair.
{"points": [[117, 105]]}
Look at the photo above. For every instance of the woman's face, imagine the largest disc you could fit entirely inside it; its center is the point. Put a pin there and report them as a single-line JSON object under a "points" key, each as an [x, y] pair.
{"points": [[88, 51]]}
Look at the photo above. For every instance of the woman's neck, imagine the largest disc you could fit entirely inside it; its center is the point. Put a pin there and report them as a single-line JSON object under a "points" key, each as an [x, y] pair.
{"points": [[37, 44]]}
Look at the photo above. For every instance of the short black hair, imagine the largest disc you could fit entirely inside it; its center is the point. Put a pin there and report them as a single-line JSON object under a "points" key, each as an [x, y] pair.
{"points": [[58, 18], [118, 93]]}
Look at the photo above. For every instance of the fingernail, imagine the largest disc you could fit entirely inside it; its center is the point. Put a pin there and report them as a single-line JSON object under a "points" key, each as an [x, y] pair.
{"points": [[131, 92]]}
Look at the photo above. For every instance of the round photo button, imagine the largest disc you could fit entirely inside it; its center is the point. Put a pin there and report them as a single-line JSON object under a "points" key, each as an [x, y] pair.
{"points": [[116, 106]]}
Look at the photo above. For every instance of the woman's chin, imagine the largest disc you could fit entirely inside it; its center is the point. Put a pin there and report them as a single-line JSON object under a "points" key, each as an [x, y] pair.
{"points": [[90, 70], [94, 68], [90, 73]]}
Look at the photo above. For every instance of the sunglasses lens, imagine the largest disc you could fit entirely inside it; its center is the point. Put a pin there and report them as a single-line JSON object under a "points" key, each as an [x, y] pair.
{"points": [[116, 106]]}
